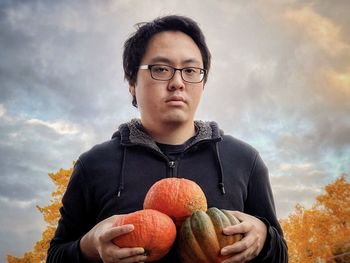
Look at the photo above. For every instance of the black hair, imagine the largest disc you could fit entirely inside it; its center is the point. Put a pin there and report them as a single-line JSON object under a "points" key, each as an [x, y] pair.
{"points": [[136, 45]]}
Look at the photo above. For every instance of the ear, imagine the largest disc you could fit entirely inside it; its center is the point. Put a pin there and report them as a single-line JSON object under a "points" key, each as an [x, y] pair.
{"points": [[132, 90]]}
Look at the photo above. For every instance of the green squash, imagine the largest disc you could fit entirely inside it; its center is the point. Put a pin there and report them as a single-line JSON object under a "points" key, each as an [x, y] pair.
{"points": [[201, 239]]}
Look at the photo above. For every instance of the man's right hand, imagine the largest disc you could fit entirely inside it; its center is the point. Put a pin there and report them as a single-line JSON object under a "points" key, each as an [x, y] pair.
{"points": [[97, 244]]}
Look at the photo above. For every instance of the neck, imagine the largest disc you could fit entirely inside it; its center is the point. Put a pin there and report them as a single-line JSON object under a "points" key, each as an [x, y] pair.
{"points": [[171, 133]]}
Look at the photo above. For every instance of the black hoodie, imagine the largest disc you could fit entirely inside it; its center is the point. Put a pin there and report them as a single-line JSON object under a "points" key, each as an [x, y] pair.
{"points": [[114, 177]]}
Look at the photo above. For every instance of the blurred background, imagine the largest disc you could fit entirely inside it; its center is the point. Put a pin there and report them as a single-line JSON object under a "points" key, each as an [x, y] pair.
{"points": [[280, 80]]}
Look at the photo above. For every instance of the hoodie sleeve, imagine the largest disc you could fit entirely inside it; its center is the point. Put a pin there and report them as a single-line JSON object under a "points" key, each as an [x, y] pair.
{"points": [[260, 203], [75, 220]]}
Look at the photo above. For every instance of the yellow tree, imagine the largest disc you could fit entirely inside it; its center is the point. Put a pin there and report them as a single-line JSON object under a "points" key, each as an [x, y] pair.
{"points": [[313, 235], [51, 216], [319, 233]]}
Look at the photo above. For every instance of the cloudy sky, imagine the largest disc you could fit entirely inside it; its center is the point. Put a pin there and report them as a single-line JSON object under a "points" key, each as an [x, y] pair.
{"points": [[280, 80]]}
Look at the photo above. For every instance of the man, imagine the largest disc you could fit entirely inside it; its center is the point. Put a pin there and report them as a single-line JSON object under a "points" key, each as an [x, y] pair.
{"points": [[166, 63]]}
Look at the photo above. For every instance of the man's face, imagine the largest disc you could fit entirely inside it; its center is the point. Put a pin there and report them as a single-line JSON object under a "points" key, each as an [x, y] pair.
{"points": [[174, 101]]}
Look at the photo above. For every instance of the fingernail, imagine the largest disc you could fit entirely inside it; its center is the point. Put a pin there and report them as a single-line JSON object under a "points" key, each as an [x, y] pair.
{"points": [[130, 227], [225, 231], [223, 251], [141, 251]]}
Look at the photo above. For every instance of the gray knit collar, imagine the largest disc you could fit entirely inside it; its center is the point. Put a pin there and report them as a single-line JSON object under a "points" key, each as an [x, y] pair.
{"points": [[133, 133]]}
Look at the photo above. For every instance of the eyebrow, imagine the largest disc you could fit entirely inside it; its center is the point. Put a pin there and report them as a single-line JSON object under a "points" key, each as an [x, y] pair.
{"points": [[160, 59]]}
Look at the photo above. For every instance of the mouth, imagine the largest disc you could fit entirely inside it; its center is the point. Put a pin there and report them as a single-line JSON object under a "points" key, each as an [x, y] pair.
{"points": [[175, 99]]}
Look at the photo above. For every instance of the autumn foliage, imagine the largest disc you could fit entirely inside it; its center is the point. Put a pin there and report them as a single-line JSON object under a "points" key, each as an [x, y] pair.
{"points": [[321, 233], [51, 216], [318, 234]]}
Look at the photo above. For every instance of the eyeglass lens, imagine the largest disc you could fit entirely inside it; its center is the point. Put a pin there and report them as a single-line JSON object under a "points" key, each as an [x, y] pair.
{"points": [[189, 74]]}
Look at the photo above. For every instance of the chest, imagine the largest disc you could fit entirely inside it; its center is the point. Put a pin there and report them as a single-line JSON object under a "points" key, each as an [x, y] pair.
{"points": [[141, 172]]}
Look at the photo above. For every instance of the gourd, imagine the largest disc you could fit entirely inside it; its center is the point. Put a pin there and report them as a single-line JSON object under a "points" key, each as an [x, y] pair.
{"points": [[176, 197], [153, 230], [201, 239]]}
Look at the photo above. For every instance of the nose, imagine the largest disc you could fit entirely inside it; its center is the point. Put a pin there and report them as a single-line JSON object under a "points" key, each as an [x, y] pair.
{"points": [[176, 82]]}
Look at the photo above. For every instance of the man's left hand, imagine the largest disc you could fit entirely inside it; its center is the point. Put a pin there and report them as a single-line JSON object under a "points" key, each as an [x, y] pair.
{"points": [[254, 233]]}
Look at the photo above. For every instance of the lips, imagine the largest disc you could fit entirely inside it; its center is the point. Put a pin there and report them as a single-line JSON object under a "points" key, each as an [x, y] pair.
{"points": [[175, 98]]}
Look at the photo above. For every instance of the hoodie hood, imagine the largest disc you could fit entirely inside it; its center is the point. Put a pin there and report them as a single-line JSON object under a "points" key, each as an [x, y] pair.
{"points": [[133, 133]]}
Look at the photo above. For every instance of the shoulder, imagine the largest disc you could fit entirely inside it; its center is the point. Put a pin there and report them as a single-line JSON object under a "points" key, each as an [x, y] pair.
{"points": [[231, 145], [103, 151], [240, 155]]}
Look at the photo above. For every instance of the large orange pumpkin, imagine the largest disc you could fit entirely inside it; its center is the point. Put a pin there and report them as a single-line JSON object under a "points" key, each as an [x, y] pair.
{"points": [[153, 230], [201, 238], [176, 197]]}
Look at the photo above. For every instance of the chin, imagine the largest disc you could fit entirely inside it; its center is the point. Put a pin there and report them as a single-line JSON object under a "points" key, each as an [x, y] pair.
{"points": [[176, 119]]}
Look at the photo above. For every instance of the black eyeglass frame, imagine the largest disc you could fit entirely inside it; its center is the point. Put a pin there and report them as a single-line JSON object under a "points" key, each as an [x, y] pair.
{"points": [[202, 70]]}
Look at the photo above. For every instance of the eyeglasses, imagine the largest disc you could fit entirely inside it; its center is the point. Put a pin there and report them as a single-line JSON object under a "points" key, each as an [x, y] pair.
{"points": [[164, 73]]}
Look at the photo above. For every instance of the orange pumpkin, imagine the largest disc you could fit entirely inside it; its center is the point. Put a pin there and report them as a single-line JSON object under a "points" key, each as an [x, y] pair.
{"points": [[201, 238], [153, 230], [176, 197]]}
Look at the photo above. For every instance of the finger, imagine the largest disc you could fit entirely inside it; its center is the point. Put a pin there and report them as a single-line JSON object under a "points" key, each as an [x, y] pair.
{"points": [[116, 254], [244, 256], [240, 215], [113, 232], [239, 258], [139, 258], [231, 249], [109, 222], [240, 246], [240, 228], [123, 253]]}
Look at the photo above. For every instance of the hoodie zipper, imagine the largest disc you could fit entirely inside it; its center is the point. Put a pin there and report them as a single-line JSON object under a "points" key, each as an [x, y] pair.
{"points": [[173, 164]]}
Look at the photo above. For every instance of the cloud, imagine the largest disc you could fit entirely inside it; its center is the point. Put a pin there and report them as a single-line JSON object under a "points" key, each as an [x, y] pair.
{"points": [[337, 87], [63, 64], [30, 148], [281, 84], [296, 183], [319, 29], [22, 225], [2, 110], [279, 80], [60, 127]]}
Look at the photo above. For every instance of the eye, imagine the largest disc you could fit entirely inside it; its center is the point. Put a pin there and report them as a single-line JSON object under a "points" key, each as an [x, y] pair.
{"points": [[160, 69], [190, 71]]}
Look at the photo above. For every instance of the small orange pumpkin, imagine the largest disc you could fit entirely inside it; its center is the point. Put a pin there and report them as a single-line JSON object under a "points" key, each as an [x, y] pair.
{"points": [[201, 237], [176, 197], [153, 230]]}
